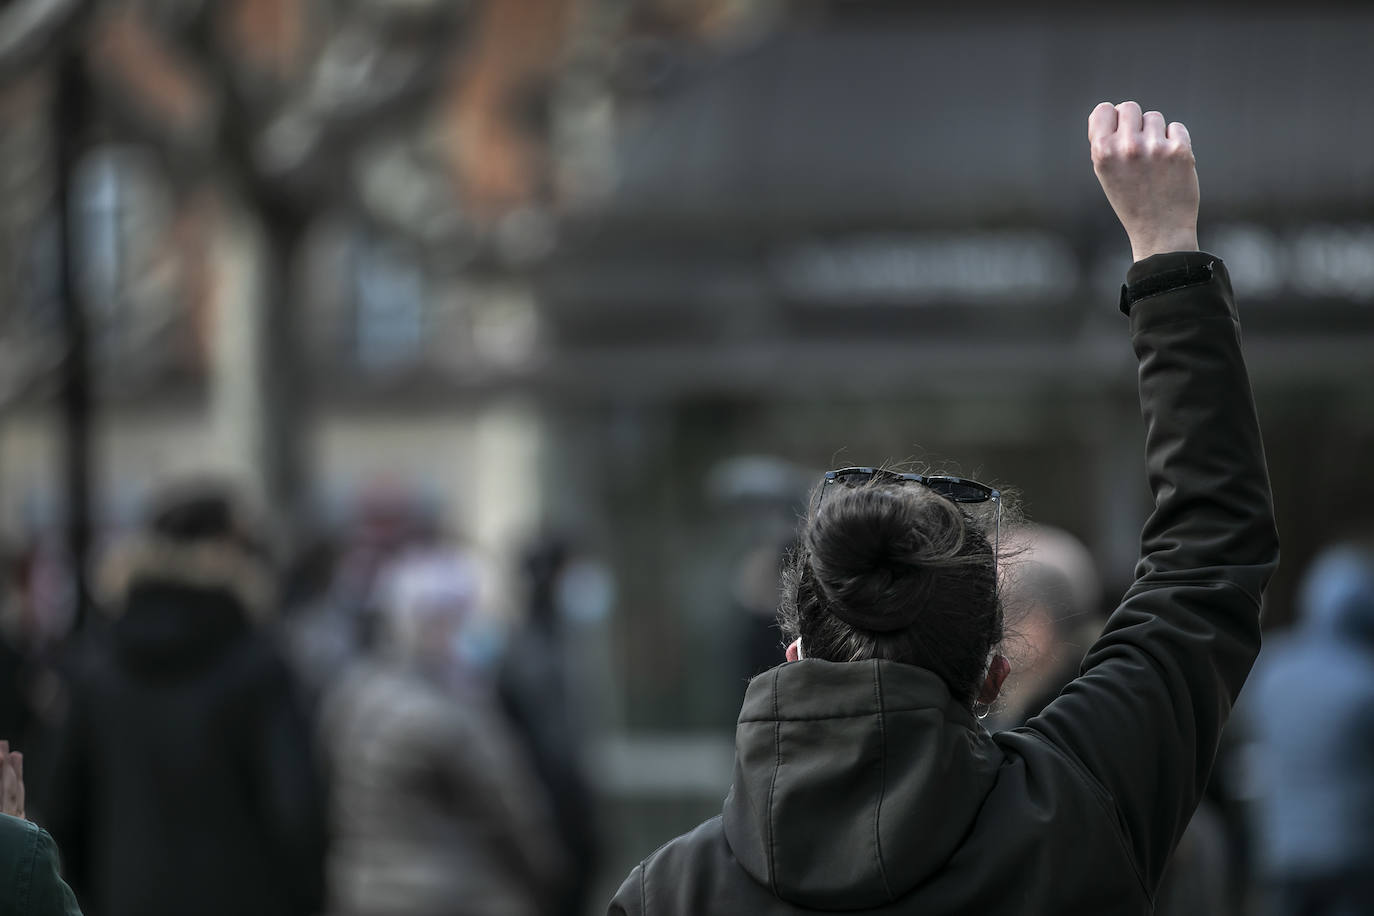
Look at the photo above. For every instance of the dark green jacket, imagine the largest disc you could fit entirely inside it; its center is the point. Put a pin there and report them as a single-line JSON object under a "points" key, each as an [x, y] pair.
{"points": [[863, 786], [30, 884]]}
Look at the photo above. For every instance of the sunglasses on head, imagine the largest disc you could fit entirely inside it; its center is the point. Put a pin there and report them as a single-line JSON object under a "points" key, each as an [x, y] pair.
{"points": [[955, 489]]}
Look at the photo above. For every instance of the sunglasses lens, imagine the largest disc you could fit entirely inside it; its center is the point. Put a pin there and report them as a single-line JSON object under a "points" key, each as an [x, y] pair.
{"points": [[960, 491]]}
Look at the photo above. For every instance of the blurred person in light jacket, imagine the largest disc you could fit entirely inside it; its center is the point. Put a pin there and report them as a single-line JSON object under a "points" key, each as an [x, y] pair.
{"points": [[182, 772], [1312, 717], [436, 810]]}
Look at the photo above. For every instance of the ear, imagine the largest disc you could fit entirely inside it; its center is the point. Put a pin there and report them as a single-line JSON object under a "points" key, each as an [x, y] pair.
{"points": [[998, 669], [794, 651]]}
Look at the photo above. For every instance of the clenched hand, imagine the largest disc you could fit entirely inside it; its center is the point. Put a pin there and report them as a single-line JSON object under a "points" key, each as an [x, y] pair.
{"points": [[1147, 170]]}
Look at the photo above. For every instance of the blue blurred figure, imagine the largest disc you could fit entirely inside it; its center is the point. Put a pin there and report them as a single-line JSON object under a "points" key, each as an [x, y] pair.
{"points": [[1313, 705]]}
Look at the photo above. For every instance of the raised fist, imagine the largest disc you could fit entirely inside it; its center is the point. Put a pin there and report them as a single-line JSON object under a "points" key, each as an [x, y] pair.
{"points": [[1146, 169]]}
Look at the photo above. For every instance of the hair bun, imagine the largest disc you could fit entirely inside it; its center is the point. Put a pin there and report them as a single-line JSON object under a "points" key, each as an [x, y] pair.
{"points": [[874, 551]]}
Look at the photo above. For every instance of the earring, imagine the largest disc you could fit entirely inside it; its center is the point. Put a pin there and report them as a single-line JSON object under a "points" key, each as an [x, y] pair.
{"points": [[981, 710]]}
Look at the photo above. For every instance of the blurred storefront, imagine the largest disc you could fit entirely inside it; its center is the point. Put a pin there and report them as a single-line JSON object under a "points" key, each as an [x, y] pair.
{"points": [[877, 240]]}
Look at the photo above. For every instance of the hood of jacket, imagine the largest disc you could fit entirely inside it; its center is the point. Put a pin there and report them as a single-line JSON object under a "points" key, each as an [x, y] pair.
{"points": [[854, 783], [204, 564], [178, 605], [173, 630]]}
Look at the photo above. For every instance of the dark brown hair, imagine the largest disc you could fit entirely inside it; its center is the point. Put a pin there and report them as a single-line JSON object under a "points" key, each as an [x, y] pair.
{"points": [[899, 551]]}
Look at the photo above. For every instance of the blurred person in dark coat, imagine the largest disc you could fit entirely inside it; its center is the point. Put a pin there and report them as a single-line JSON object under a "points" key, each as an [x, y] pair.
{"points": [[436, 810], [538, 693], [1312, 710], [15, 710], [182, 778], [36, 604]]}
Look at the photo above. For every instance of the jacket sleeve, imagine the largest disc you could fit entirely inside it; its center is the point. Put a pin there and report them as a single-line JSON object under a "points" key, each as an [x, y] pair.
{"points": [[628, 901], [1145, 715], [50, 895], [30, 882]]}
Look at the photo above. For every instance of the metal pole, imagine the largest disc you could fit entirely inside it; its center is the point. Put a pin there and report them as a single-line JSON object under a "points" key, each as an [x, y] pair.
{"points": [[71, 105]]}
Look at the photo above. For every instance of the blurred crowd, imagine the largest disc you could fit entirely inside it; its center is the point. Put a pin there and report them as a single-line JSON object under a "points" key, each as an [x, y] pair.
{"points": [[360, 731]]}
